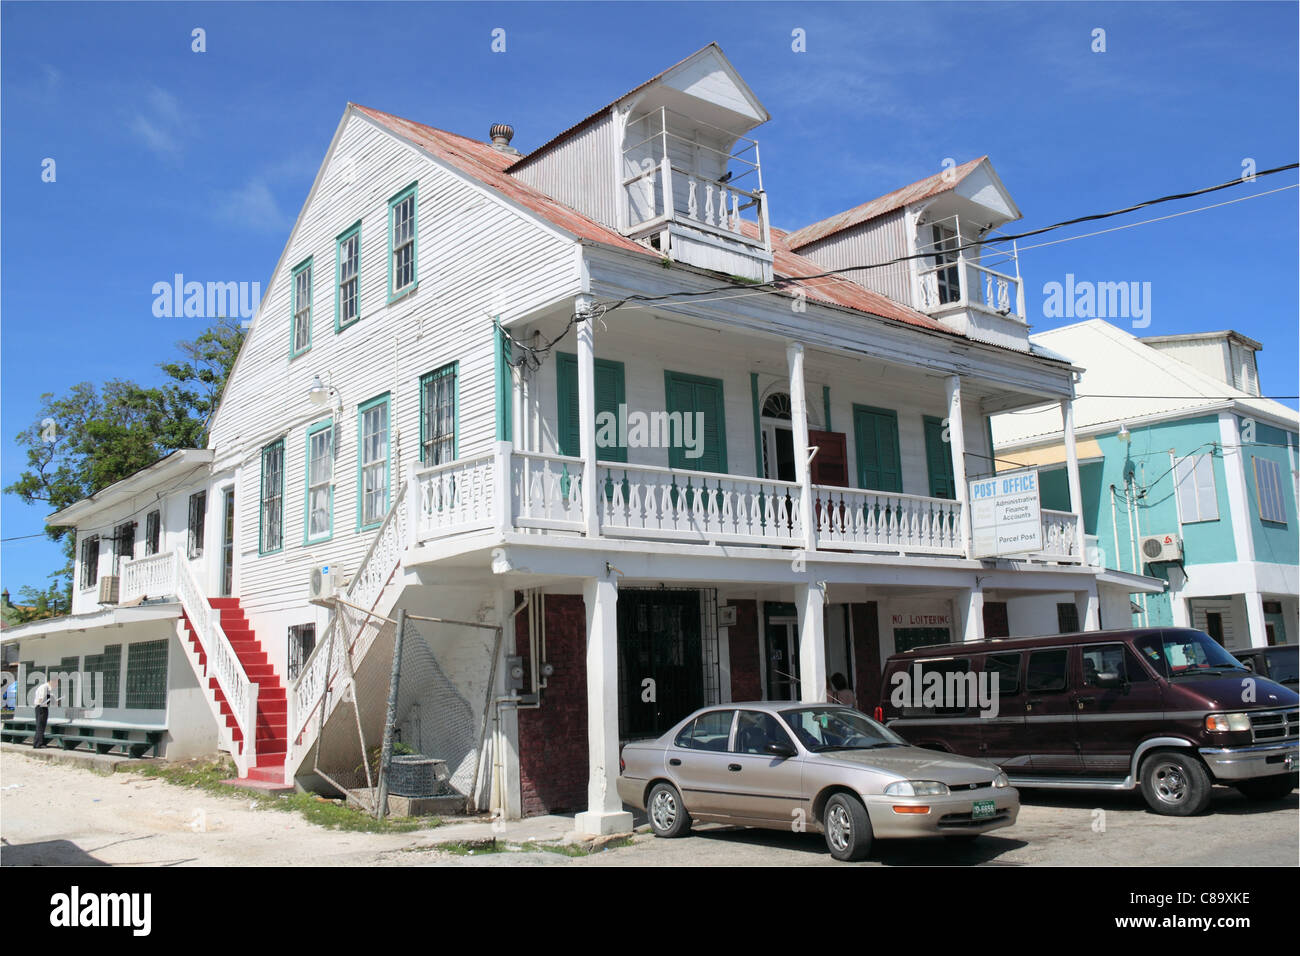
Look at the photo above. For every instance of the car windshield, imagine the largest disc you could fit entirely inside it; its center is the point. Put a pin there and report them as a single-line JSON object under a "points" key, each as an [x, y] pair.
{"points": [[1282, 666], [839, 728], [1176, 654]]}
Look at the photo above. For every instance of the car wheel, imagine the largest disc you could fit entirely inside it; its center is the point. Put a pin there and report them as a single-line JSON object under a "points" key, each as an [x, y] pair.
{"points": [[1267, 788], [847, 828], [668, 817], [1175, 784]]}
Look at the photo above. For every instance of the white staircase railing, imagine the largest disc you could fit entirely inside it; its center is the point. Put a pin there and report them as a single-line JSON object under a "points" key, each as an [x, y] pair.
{"points": [[308, 691], [222, 663]]}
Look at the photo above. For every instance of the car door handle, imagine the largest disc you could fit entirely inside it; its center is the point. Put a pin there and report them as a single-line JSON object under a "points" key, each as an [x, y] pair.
{"points": [[1085, 700], [674, 762], [733, 767], [1029, 704]]}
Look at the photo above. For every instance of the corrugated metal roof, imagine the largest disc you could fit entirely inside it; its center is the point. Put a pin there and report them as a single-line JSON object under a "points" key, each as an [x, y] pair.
{"points": [[921, 189], [487, 165]]}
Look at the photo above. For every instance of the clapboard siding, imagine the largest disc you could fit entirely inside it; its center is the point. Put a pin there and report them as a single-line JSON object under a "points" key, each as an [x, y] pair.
{"points": [[579, 171], [877, 240], [475, 254]]}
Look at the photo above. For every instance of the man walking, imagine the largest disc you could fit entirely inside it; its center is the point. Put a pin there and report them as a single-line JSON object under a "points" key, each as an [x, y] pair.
{"points": [[41, 701]]}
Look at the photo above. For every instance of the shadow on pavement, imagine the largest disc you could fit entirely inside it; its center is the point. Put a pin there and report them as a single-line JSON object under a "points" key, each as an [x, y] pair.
{"points": [[47, 853]]}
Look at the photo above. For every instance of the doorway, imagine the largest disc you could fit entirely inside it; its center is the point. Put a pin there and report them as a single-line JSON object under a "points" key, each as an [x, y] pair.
{"points": [[781, 652], [228, 542], [660, 659]]}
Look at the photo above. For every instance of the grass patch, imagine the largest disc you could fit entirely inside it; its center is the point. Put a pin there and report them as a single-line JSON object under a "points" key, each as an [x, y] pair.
{"points": [[484, 847], [207, 775]]}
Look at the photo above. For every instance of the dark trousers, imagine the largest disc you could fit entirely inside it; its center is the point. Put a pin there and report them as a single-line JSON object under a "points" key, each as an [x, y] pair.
{"points": [[42, 715]]}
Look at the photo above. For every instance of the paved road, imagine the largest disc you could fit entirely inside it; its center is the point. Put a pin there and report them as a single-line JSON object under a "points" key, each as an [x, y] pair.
{"points": [[51, 815]]}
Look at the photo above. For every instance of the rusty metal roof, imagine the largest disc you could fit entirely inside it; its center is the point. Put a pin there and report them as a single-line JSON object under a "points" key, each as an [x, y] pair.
{"points": [[921, 189]]}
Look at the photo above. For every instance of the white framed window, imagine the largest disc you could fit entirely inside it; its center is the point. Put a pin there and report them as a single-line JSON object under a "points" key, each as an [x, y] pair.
{"points": [[1197, 498], [90, 561], [1268, 490], [347, 304], [320, 481], [438, 415], [198, 517], [373, 480]]}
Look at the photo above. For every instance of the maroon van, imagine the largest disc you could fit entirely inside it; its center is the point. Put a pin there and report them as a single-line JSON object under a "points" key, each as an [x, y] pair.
{"points": [[1164, 709]]}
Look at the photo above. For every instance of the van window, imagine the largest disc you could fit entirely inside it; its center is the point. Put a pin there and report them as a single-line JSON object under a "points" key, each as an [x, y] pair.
{"points": [[954, 692], [1046, 674], [1181, 653], [707, 732], [1007, 669], [1102, 659]]}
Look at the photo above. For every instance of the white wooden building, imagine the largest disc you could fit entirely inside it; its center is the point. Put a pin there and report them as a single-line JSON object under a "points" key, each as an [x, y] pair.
{"points": [[396, 418]]}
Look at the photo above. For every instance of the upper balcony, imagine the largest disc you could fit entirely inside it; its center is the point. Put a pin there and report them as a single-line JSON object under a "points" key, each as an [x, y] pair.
{"points": [[694, 191]]}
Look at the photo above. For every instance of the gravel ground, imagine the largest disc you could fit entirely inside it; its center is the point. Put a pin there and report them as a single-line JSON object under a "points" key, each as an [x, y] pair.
{"points": [[52, 814]]}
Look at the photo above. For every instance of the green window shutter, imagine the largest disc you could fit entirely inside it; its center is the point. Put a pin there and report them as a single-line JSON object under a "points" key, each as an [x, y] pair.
{"points": [[687, 395], [876, 431], [610, 394], [938, 460]]}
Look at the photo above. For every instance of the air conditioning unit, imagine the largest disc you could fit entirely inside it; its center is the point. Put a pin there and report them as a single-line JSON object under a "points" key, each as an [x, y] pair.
{"points": [[108, 589], [1162, 547], [322, 583]]}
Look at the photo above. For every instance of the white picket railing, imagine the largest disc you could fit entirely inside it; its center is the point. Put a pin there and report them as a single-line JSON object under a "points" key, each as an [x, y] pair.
{"points": [[646, 501], [546, 491], [870, 520], [457, 496], [1061, 536], [373, 574], [150, 577], [222, 662]]}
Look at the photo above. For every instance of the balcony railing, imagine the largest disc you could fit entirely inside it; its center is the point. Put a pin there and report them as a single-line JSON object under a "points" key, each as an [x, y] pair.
{"points": [[955, 280], [873, 520], [669, 177], [151, 577]]}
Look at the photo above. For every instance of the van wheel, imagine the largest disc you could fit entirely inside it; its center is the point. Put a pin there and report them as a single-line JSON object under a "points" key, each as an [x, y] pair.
{"points": [[1267, 788], [847, 828], [1175, 784], [668, 817]]}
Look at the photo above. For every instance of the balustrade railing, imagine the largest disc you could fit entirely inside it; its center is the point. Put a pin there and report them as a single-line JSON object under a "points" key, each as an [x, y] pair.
{"points": [[867, 520], [149, 577]]}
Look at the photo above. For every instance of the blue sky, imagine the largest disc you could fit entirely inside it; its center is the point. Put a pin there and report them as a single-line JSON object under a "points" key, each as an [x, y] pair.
{"points": [[173, 161]]}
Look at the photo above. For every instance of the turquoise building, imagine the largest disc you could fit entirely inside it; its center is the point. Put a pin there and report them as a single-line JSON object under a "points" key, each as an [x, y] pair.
{"points": [[1186, 474]]}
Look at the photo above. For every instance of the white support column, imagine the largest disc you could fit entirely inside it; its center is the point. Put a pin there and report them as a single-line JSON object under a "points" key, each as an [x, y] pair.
{"points": [[972, 625], [1234, 474], [604, 812], [810, 603], [799, 421], [1089, 607], [1255, 619], [1072, 475], [957, 445], [587, 419]]}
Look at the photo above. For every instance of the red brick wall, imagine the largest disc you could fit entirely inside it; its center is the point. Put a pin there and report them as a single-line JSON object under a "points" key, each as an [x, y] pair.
{"points": [[742, 647], [553, 738]]}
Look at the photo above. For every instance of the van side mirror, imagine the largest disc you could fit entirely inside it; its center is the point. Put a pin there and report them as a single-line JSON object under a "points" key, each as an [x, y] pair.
{"points": [[780, 750], [1109, 679]]}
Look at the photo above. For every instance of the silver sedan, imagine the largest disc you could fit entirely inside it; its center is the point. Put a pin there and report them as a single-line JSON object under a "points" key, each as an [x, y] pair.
{"points": [[820, 767]]}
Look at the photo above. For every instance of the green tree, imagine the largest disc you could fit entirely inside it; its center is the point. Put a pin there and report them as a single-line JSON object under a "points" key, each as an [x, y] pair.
{"points": [[83, 441]]}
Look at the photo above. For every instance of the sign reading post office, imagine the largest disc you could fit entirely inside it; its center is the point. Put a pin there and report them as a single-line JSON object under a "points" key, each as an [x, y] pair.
{"points": [[1006, 514]]}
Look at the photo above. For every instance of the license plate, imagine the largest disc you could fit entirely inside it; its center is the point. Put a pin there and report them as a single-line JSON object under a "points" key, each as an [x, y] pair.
{"points": [[983, 809]]}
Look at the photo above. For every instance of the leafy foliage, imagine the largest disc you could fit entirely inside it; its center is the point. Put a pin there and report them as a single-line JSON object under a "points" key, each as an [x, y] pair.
{"points": [[92, 436]]}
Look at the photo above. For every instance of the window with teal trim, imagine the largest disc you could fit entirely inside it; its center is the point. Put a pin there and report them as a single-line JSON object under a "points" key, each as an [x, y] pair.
{"points": [[373, 442], [271, 526], [347, 278], [402, 245], [300, 340], [320, 481], [438, 415]]}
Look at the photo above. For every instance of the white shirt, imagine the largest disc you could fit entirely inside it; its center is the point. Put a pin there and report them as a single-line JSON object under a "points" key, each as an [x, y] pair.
{"points": [[43, 694]]}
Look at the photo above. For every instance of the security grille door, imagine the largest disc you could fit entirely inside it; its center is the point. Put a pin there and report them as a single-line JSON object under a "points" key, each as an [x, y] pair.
{"points": [[658, 641]]}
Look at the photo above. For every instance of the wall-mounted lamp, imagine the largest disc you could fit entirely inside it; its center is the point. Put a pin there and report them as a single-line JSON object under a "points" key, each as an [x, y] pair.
{"points": [[1124, 434], [320, 392]]}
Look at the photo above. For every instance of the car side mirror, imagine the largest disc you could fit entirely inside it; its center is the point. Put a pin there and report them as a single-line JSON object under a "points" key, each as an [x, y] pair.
{"points": [[780, 750], [1109, 680]]}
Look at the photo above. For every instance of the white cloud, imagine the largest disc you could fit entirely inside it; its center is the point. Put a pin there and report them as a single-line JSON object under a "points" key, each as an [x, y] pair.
{"points": [[252, 205], [160, 123]]}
